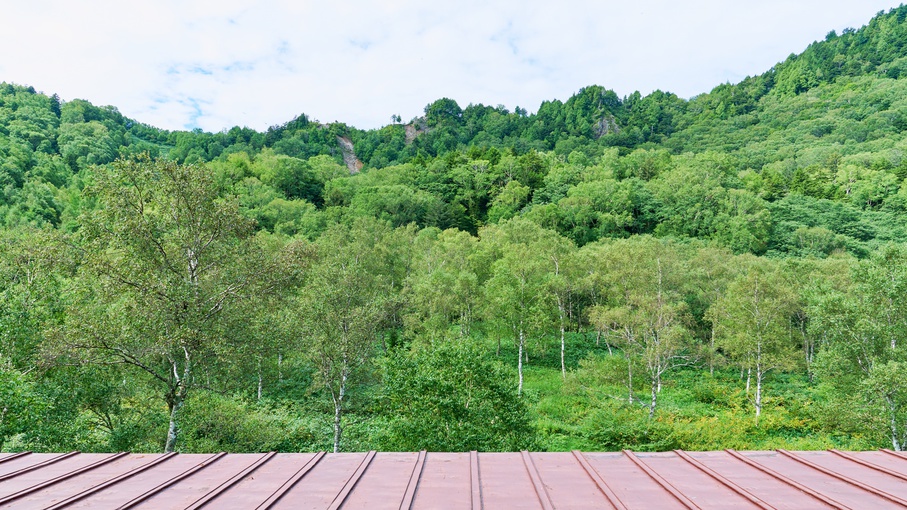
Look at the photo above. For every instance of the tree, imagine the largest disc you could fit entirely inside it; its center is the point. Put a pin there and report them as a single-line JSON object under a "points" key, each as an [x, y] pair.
{"points": [[444, 288], [884, 390], [644, 310], [862, 325], [712, 269], [33, 267], [19, 402], [165, 258], [342, 307], [753, 323], [514, 294], [563, 283]]}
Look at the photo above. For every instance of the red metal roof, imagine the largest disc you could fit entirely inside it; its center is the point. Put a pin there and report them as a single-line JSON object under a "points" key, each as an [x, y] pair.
{"points": [[720, 479]]}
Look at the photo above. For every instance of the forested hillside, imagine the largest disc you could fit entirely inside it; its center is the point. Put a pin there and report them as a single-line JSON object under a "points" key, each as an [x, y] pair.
{"points": [[645, 272]]}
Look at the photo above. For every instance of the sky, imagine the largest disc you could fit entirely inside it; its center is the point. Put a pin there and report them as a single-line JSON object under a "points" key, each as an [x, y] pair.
{"points": [[215, 64]]}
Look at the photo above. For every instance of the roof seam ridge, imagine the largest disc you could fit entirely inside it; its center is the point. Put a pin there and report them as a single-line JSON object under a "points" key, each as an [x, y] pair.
{"points": [[413, 484], [599, 481], [844, 478], [230, 482], [14, 456], [39, 465], [870, 465], [724, 481], [784, 479], [475, 482], [291, 482], [47, 483], [535, 477], [185, 474], [352, 481], [679, 496], [113, 481]]}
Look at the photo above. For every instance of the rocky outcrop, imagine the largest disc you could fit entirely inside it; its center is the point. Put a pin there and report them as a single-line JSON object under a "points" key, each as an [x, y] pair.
{"points": [[349, 155]]}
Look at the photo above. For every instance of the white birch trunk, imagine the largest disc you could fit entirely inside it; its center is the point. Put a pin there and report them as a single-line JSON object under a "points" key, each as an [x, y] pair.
{"points": [[712, 352], [629, 380], [338, 412], [173, 429], [260, 382], [758, 401], [520, 363], [563, 346], [654, 399], [177, 399], [895, 443]]}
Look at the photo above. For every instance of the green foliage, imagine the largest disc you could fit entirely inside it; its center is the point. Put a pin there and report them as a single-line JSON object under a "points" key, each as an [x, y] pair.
{"points": [[451, 397], [19, 401], [214, 423]]}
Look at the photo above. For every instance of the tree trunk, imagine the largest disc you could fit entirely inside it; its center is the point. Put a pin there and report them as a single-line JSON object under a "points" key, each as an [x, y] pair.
{"points": [[260, 382], [629, 380], [758, 400], [520, 364], [712, 352], [895, 444], [175, 400], [563, 348], [176, 406], [338, 412], [654, 399]]}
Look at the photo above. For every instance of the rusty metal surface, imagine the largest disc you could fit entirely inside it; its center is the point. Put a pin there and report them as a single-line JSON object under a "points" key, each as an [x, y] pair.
{"points": [[719, 479]]}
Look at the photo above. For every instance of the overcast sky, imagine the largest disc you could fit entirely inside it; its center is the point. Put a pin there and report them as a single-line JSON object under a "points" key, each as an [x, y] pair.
{"points": [[182, 64]]}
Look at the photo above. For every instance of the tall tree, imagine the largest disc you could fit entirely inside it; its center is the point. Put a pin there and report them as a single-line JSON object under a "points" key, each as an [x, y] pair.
{"points": [[753, 321], [165, 258], [644, 310], [515, 292], [713, 270], [343, 306], [443, 288], [862, 326]]}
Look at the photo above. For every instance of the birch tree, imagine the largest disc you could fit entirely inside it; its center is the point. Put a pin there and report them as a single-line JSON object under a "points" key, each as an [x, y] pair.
{"points": [[862, 327], [563, 284], [515, 293], [165, 257], [712, 272], [884, 391], [644, 312], [342, 307], [753, 319], [443, 290]]}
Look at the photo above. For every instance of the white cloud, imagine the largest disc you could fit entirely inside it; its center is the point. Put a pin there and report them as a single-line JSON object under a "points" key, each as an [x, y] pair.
{"points": [[215, 64]]}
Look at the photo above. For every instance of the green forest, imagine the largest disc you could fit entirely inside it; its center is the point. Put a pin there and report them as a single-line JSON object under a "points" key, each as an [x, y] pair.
{"points": [[643, 272]]}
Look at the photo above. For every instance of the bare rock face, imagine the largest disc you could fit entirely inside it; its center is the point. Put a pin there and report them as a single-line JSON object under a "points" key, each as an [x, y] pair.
{"points": [[349, 155], [606, 125], [411, 133]]}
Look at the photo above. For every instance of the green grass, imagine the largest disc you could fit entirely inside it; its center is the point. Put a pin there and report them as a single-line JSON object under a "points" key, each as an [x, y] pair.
{"points": [[696, 411]]}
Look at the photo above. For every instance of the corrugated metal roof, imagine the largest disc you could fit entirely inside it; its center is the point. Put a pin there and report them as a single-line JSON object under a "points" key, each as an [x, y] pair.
{"points": [[576, 480]]}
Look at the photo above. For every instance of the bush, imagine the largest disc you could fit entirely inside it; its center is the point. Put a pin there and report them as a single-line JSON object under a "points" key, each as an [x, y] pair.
{"points": [[452, 397]]}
